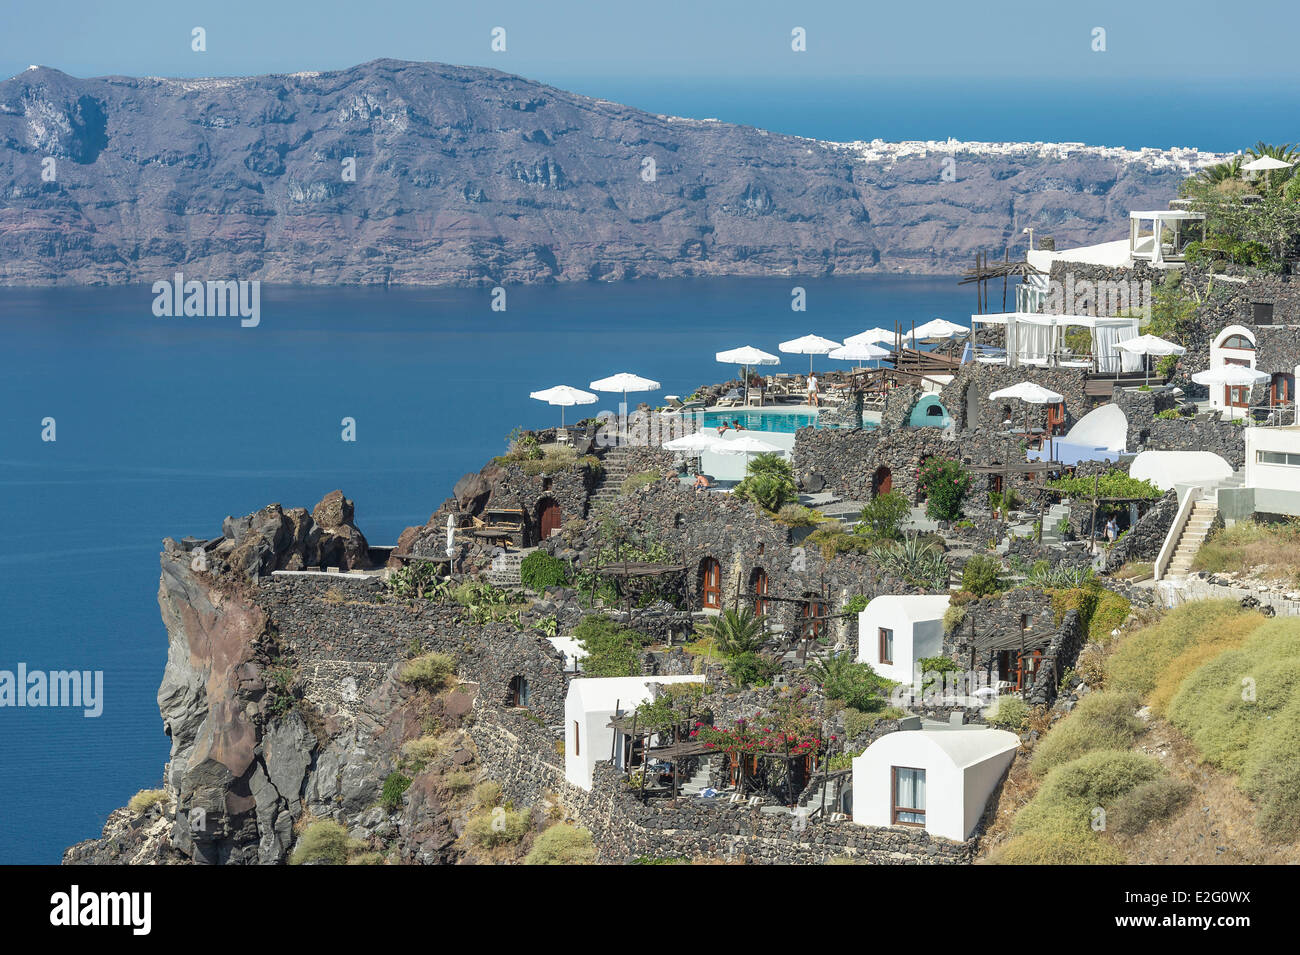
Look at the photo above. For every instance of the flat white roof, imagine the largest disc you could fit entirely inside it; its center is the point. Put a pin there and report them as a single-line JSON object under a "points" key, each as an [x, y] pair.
{"points": [[1167, 214], [913, 607], [1040, 318], [603, 692], [1104, 253]]}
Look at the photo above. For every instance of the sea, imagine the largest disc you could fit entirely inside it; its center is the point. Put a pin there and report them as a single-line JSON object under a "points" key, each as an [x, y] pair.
{"points": [[163, 426]]}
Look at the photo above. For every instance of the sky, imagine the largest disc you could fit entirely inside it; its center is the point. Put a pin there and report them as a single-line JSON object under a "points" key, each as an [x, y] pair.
{"points": [[573, 41]]}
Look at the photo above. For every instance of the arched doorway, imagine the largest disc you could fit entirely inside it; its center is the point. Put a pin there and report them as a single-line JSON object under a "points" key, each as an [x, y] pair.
{"points": [[882, 481], [758, 580], [549, 518], [517, 694], [711, 583]]}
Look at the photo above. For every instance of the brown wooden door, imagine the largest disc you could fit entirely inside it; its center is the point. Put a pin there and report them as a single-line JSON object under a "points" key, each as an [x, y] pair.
{"points": [[1056, 418], [549, 518], [760, 591], [711, 589], [882, 482]]}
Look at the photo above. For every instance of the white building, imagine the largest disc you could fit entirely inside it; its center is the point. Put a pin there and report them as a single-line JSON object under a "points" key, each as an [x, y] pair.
{"points": [[896, 631], [588, 710], [572, 650], [938, 779], [1272, 471]]}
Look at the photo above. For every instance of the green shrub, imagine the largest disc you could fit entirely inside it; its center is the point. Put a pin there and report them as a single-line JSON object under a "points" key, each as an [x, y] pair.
{"points": [[419, 753], [612, 649], [395, 784], [884, 517], [932, 669], [1155, 800], [562, 845], [856, 604], [1100, 721], [146, 799], [497, 827], [769, 491], [953, 617], [982, 575], [458, 782], [750, 669], [945, 484], [833, 540], [1010, 713], [796, 515], [540, 570], [430, 671], [856, 684], [1055, 828], [1108, 614], [322, 843]]}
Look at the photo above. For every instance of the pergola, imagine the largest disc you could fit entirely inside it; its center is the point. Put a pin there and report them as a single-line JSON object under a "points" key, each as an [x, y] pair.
{"points": [[1036, 339], [1152, 247]]}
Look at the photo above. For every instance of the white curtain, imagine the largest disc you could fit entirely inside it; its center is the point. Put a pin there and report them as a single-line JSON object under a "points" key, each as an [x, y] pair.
{"points": [[910, 793], [1110, 358]]}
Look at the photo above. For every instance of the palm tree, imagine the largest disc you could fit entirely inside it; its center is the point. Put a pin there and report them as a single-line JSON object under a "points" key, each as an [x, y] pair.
{"points": [[735, 631], [1287, 152], [1221, 172]]}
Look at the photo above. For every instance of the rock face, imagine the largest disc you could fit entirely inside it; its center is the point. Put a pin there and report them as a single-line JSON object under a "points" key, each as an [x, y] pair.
{"points": [[275, 539], [420, 173]]}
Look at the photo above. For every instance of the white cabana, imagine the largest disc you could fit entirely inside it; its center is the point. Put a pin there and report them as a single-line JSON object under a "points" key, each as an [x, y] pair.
{"points": [[625, 381], [809, 345], [1037, 339], [564, 396], [1168, 237], [1146, 345], [746, 356]]}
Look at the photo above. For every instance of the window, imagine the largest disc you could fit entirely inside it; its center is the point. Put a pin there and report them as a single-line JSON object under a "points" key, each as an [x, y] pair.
{"points": [[1024, 621], [518, 694], [1278, 457], [711, 587], [1261, 313], [577, 743], [886, 645], [909, 796], [813, 617], [1238, 341]]}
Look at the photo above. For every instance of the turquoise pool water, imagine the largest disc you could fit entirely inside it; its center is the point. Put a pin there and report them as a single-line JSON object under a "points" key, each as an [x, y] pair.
{"points": [[780, 422]]}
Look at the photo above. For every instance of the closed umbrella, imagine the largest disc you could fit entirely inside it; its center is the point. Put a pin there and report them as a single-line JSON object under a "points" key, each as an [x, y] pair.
{"points": [[451, 537], [746, 356], [809, 345], [625, 381], [1150, 345], [564, 396]]}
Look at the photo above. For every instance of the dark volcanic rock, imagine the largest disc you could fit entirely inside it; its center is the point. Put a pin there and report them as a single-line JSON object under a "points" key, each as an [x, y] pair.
{"points": [[457, 183]]}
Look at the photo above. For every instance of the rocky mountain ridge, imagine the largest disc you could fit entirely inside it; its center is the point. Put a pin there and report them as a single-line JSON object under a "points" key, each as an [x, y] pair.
{"points": [[425, 174]]}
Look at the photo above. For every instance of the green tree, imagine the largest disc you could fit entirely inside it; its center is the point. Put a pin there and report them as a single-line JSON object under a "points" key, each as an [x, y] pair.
{"points": [[856, 684], [612, 649], [734, 632]]}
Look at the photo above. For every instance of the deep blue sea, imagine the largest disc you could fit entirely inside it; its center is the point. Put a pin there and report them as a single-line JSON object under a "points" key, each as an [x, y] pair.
{"points": [[165, 426]]}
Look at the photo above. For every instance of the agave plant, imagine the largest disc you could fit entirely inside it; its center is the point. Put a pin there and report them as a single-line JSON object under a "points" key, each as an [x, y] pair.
{"points": [[734, 631], [914, 560]]}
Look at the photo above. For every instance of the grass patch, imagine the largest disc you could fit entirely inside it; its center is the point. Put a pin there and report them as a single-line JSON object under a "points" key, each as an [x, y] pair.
{"points": [[419, 753], [1135, 570], [323, 842], [1100, 721], [1147, 662], [562, 845], [497, 827], [431, 671], [1268, 550], [1152, 801], [1242, 711], [146, 799], [1010, 713]]}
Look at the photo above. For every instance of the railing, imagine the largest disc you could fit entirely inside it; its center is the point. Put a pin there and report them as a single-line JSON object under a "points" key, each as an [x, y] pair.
{"points": [[1185, 508]]}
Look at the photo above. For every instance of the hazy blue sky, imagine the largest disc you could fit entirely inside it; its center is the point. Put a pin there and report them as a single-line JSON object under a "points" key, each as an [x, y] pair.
{"points": [[564, 40]]}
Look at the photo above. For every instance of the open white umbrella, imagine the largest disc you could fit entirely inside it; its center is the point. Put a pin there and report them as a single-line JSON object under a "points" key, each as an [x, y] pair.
{"points": [[694, 443], [625, 381], [809, 345], [747, 445], [939, 328], [1230, 376], [871, 336], [1266, 165], [564, 396], [1032, 394], [858, 351], [1150, 345], [746, 356]]}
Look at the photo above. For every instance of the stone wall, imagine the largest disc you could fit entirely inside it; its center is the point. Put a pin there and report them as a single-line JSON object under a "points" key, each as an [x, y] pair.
{"points": [[624, 828], [967, 401], [1207, 432]]}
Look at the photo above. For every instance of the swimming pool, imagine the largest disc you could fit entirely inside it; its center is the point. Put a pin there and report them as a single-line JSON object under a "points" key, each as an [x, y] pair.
{"points": [[779, 422]]}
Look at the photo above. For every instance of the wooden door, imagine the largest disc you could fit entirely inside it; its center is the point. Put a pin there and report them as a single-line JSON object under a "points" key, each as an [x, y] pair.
{"points": [[1056, 418], [760, 591], [711, 589], [549, 518], [1282, 389], [882, 482]]}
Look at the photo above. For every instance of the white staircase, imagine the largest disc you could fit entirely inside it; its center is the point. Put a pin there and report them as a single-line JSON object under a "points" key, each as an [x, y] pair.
{"points": [[1199, 521], [1051, 520], [697, 783]]}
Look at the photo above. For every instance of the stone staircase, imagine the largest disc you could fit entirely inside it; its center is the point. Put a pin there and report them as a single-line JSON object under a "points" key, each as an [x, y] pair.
{"points": [[697, 783], [1051, 519], [1199, 522], [614, 473]]}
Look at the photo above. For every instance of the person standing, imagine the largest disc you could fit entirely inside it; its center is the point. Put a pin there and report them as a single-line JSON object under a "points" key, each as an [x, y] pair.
{"points": [[812, 389], [1112, 530]]}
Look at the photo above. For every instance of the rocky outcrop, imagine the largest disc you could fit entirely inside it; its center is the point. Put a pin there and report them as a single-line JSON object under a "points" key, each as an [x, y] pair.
{"points": [[420, 173], [275, 539]]}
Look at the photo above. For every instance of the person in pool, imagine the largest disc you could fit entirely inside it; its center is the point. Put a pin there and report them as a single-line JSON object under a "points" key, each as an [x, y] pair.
{"points": [[737, 426], [724, 427]]}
